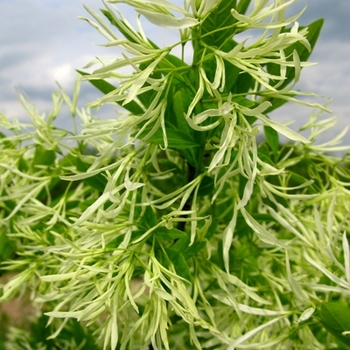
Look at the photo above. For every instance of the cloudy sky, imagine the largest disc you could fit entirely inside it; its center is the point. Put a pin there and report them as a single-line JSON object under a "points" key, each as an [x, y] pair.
{"points": [[42, 41]]}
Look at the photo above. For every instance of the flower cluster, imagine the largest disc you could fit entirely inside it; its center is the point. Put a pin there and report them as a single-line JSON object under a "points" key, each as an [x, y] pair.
{"points": [[171, 225]]}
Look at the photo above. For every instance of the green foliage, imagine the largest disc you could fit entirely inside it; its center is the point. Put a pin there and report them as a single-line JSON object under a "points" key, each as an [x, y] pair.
{"points": [[73, 336], [335, 317], [170, 226]]}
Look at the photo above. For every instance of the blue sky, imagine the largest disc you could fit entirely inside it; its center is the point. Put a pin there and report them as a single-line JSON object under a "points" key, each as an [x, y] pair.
{"points": [[42, 41]]}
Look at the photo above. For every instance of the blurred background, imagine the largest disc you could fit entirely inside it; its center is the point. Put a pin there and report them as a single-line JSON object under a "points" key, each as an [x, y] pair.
{"points": [[42, 41]]}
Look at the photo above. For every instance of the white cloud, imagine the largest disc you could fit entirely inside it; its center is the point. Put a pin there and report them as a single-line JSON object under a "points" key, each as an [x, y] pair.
{"points": [[64, 74]]}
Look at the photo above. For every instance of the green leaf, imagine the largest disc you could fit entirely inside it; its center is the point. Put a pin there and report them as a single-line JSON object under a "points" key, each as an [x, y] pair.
{"points": [[194, 249], [264, 218], [304, 54], [206, 186], [242, 6], [231, 75], [120, 24], [170, 62], [212, 229], [181, 72], [176, 139], [97, 182], [217, 31], [297, 179], [183, 245], [149, 218], [106, 88], [117, 25], [179, 262], [44, 156], [7, 247], [219, 26], [181, 100], [335, 317], [243, 101], [191, 155], [242, 183], [264, 154], [74, 331], [312, 36], [272, 139], [168, 235], [243, 83], [68, 160]]}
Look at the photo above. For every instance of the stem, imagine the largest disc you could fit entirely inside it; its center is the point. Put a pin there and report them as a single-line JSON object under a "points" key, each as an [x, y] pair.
{"points": [[193, 172]]}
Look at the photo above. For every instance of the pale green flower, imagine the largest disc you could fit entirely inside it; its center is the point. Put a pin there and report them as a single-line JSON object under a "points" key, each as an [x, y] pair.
{"points": [[170, 224]]}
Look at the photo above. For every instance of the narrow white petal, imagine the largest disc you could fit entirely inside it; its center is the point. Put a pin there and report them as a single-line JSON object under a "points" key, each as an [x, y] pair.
{"points": [[346, 257], [168, 21]]}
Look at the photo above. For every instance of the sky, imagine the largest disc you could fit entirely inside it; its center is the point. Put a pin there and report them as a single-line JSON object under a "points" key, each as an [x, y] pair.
{"points": [[42, 41]]}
